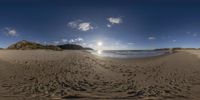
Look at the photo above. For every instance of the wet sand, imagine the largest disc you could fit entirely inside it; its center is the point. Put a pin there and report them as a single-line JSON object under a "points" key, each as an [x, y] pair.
{"points": [[41, 74]]}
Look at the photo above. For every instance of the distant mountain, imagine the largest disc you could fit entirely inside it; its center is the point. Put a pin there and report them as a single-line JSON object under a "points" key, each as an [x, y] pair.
{"points": [[70, 47], [26, 45], [52, 47], [88, 49], [73, 47], [177, 48]]}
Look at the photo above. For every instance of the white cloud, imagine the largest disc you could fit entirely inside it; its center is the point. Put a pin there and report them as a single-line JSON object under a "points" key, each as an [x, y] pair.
{"points": [[195, 34], [130, 43], [151, 38], [11, 32], [79, 39], [84, 44], [188, 32], [64, 40], [76, 40], [173, 40], [113, 20], [37, 42], [80, 25], [71, 41], [56, 42], [45, 43], [74, 24], [85, 26], [108, 25]]}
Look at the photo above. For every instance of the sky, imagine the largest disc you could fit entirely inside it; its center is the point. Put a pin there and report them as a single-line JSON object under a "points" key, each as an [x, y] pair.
{"points": [[102, 24]]}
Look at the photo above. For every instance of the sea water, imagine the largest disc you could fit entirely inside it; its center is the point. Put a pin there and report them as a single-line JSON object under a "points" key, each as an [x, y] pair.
{"points": [[128, 53]]}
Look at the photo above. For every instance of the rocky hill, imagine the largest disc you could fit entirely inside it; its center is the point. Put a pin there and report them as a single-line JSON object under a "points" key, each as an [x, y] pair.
{"points": [[26, 45]]}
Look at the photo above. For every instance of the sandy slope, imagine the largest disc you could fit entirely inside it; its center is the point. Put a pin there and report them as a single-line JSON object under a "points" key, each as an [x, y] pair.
{"points": [[73, 74]]}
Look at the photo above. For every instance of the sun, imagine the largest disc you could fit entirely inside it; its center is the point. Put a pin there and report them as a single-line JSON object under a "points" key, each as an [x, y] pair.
{"points": [[99, 43]]}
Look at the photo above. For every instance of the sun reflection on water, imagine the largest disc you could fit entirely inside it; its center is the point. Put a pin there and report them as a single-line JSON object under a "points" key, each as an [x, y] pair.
{"points": [[99, 52]]}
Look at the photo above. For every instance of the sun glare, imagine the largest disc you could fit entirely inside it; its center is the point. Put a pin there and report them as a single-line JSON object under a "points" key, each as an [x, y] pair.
{"points": [[99, 44]]}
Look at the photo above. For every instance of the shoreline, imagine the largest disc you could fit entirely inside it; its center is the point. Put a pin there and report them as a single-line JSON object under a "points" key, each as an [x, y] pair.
{"points": [[139, 59], [167, 52]]}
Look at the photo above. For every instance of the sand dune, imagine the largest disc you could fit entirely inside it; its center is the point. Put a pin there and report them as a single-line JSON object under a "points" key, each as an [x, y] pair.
{"points": [[78, 74]]}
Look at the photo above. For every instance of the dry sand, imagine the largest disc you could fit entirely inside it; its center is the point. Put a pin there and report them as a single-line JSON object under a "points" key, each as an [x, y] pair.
{"points": [[41, 74]]}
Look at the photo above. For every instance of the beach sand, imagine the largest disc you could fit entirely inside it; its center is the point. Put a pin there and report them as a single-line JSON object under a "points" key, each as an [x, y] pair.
{"points": [[45, 74]]}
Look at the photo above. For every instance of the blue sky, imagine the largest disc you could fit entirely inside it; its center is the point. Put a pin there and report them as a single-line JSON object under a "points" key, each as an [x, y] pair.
{"points": [[117, 24]]}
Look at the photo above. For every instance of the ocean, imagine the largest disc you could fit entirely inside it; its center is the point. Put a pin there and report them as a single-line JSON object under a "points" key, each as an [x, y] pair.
{"points": [[128, 53]]}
